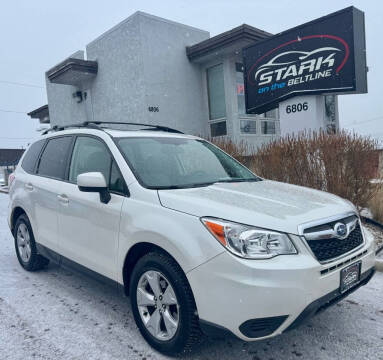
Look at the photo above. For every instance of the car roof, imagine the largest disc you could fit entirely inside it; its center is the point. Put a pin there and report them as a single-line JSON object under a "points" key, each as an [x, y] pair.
{"points": [[145, 133], [117, 133]]}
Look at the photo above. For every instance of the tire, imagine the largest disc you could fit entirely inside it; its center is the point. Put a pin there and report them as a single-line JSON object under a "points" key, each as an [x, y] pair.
{"points": [[25, 246], [167, 338]]}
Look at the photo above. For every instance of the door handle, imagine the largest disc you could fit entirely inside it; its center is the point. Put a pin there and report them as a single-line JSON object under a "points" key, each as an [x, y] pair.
{"points": [[29, 187], [63, 199]]}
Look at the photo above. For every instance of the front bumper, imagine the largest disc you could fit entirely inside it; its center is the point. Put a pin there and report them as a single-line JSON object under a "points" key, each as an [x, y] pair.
{"points": [[256, 299]]}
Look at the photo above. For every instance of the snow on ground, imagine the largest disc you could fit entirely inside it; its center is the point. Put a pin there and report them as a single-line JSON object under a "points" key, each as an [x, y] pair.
{"points": [[378, 234], [57, 314]]}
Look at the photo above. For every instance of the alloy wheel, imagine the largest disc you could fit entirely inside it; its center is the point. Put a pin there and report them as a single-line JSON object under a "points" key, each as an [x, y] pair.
{"points": [[158, 305], [24, 243]]}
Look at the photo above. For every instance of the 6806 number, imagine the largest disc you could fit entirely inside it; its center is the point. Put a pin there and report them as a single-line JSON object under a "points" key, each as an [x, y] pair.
{"points": [[297, 107]]}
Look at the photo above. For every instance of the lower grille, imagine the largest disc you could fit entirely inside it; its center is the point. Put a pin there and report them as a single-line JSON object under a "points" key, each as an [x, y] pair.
{"points": [[261, 327], [327, 249]]}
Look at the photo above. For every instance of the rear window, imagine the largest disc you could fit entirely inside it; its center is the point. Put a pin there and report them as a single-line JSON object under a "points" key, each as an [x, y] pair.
{"points": [[30, 158], [54, 158]]}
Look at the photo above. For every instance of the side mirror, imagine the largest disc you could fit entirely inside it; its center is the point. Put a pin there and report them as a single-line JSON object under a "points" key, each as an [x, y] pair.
{"points": [[94, 182]]}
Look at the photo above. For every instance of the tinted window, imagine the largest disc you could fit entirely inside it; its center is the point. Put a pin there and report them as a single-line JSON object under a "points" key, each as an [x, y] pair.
{"points": [[30, 158], [218, 129], [54, 158]]}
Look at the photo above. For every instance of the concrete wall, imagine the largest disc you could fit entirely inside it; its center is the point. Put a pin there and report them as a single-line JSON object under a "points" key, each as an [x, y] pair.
{"points": [[172, 82], [63, 108], [142, 63]]}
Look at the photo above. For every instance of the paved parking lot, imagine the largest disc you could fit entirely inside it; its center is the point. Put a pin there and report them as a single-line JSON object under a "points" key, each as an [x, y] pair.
{"points": [[57, 314]]}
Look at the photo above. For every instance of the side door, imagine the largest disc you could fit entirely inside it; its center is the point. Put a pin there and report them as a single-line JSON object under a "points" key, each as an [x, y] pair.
{"points": [[88, 228], [44, 188]]}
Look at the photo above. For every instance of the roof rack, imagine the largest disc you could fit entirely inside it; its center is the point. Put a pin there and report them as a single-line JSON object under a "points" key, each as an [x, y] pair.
{"points": [[156, 127], [64, 127], [95, 125]]}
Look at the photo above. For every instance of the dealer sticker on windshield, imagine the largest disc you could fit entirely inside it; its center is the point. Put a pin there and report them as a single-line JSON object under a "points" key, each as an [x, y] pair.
{"points": [[349, 276]]}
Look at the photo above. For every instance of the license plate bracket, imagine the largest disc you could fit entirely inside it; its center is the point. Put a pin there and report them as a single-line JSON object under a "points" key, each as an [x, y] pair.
{"points": [[350, 276]]}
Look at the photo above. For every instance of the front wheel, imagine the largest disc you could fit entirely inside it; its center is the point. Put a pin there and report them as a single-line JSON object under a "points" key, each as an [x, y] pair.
{"points": [[163, 304]]}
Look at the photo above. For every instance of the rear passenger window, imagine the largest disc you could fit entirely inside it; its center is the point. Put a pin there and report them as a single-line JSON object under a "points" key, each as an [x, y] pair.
{"points": [[54, 158], [30, 158], [89, 155]]}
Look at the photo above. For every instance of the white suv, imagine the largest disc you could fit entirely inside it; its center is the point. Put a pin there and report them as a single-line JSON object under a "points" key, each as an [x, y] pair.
{"points": [[197, 240]]}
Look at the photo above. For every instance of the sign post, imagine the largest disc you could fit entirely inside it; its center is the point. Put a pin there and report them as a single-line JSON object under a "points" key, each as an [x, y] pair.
{"points": [[306, 112]]}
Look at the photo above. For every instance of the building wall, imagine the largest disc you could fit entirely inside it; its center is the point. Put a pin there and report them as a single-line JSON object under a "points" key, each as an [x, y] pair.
{"points": [[142, 63], [173, 83], [63, 108]]}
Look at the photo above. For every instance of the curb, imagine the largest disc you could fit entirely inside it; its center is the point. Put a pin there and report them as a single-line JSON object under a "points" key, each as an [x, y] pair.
{"points": [[379, 265]]}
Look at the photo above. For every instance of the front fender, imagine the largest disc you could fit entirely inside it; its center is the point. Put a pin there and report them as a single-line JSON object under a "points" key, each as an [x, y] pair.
{"points": [[182, 235]]}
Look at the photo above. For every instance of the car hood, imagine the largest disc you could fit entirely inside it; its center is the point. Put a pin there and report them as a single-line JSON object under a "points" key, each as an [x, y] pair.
{"points": [[267, 204]]}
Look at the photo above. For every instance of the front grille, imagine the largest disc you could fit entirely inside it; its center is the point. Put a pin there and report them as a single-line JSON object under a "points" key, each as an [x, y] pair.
{"points": [[327, 249]]}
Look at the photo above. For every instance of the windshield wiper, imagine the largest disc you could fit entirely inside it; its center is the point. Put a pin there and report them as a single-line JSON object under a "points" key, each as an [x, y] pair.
{"points": [[187, 186], [237, 180], [204, 184]]}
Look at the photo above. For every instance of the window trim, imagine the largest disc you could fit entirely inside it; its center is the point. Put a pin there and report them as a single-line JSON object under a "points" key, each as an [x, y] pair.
{"points": [[126, 193]]}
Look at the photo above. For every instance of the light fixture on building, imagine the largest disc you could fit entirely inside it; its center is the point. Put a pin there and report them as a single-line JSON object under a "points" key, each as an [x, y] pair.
{"points": [[78, 96]]}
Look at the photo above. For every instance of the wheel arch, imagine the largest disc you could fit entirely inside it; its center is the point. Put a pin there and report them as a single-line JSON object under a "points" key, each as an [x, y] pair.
{"points": [[136, 252], [16, 213]]}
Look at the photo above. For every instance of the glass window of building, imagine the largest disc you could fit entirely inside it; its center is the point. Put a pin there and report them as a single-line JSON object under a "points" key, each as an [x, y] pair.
{"points": [[240, 88], [218, 129], [272, 114], [216, 92], [248, 126], [268, 127]]}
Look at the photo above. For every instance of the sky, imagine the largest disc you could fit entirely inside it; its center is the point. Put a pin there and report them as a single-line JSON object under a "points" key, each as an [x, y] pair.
{"points": [[36, 35]]}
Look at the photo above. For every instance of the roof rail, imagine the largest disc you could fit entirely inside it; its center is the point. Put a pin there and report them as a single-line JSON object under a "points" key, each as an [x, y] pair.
{"points": [[95, 125], [157, 127], [60, 128]]}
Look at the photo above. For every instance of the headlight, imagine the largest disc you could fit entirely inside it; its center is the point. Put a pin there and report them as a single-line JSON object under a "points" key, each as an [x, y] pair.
{"points": [[247, 241]]}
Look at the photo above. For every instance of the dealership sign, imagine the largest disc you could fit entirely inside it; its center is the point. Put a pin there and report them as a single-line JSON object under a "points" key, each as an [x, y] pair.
{"points": [[327, 55]]}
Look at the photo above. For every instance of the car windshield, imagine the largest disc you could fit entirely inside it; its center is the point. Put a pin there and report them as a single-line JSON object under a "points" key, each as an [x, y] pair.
{"points": [[173, 163]]}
